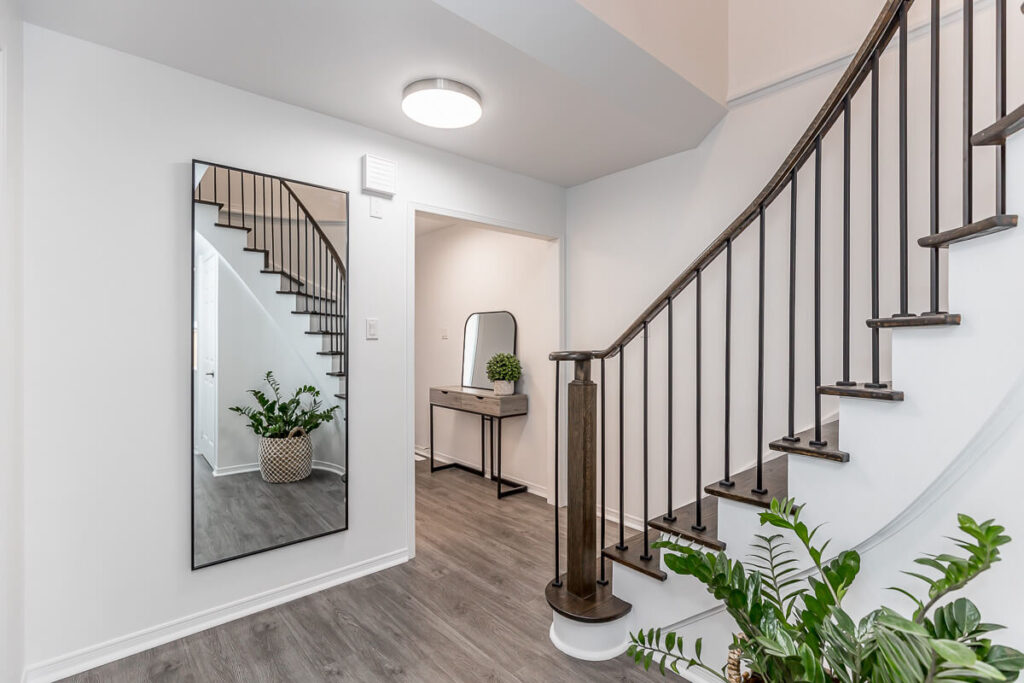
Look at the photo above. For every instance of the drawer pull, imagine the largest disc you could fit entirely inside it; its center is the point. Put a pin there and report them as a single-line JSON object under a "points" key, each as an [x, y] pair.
{"points": [[479, 398], [445, 393]]}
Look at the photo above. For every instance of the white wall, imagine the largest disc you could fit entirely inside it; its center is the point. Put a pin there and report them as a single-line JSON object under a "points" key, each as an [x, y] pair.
{"points": [[646, 224], [107, 493], [463, 269], [11, 536]]}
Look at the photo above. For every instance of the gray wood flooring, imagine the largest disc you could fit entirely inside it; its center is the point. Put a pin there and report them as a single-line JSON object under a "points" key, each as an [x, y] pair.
{"points": [[470, 607], [241, 513]]}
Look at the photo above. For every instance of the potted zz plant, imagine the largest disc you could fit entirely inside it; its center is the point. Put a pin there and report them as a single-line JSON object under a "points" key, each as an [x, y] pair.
{"points": [[792, 625], [504, 370], [284, 425]]}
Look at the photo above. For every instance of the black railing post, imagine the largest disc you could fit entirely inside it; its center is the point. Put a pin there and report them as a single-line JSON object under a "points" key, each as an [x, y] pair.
{"points": [[647, 546], [1000, 104], [845, 381], [817, 441], [933, 198], [968, 119], [622, 451], [727, 479], [558, 530], [669, 516], [759, 488], [875, 382], [903, 189], [791, 412], [698, 524], [604, 480]]}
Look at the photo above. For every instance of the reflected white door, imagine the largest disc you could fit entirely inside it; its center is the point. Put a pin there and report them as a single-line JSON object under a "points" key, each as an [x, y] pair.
{"points": [[206, 356]]}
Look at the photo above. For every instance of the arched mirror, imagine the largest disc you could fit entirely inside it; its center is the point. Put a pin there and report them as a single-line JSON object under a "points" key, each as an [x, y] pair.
{"points": [[486, 334]]}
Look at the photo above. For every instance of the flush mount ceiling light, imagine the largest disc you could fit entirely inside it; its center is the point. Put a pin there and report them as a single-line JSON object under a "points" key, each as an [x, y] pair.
{"points": [[441, 103]]}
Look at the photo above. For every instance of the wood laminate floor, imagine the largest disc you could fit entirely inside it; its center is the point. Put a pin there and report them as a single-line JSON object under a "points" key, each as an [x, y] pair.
{"points": [[241, 513], [469, 608]]}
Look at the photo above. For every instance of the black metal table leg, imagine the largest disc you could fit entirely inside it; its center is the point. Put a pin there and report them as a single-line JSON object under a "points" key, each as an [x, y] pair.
{"points": [[515, 487], [449, 465]]}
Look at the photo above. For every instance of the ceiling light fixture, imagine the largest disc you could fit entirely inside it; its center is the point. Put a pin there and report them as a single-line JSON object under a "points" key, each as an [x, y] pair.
{"points": [[441, 103]]}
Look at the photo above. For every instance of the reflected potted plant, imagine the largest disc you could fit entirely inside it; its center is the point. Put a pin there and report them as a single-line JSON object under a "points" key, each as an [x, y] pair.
{"points": [[504, 370], [284, 425]]}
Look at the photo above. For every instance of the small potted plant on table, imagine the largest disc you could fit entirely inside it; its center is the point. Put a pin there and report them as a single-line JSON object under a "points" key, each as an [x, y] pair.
{"points": [[284, 425], [504, 370]]}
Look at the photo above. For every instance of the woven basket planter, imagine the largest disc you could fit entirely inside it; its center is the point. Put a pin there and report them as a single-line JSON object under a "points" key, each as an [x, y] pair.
{"points": [[288, 459]]}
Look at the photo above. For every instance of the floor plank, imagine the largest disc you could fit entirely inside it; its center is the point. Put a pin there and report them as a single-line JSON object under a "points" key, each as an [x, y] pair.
{"points": [[470, 607]]}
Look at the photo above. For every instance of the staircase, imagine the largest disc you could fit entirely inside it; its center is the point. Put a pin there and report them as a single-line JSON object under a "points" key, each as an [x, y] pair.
{"points": [[796, 449], [277, 225]]}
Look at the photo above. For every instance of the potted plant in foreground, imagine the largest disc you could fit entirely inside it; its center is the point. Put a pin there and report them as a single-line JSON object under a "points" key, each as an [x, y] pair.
{"points": [[504, 370], [284, 425], [792, 626]]}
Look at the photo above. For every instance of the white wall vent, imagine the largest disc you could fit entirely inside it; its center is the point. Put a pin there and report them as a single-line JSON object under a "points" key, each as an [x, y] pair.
{"points": [[380, 176]]}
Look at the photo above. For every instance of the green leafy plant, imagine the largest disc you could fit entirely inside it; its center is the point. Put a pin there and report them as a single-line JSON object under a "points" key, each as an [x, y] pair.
{"points": [[504, 367], [277, 417], [792, 626]]}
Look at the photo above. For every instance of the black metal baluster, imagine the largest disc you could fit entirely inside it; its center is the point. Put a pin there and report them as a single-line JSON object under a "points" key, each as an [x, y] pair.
{"points": [[263, 182], [759, 488], [875, 382], [647, 547], [698, 524], [968, 155], [933, 199], [791, 417], [1000, 104], [231, 221], [558, 532], [241, 186], [669, 517], [291, 249], [845, 381], [817, 441], [273, 241], [904, 215], [216, 170], [604, 481], [622, 451], [727, 479]]}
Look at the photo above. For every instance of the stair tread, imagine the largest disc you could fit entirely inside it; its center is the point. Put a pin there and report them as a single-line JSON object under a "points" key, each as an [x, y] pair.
{"points": [[987, 226], [344, 396], [336, 374], [308, 296], [775, 480], [631, 557], [208, 202], [321, 314], [802, 446], [686, 516], [922, 320], [997, 133], [330, 353], [236, 227], [335, 333], [600, 607], [861, 391], [271, 271]]}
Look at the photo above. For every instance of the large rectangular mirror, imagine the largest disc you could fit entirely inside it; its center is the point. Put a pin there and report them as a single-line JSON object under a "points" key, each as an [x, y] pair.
{"points": [[269, 362]]}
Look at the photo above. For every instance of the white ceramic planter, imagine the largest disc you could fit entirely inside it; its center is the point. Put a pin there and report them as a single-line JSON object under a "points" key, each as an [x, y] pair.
{"points": [[502, 388]]}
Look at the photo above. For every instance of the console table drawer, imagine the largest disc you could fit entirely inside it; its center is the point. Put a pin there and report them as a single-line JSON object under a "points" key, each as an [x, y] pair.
{"points": [[479, 401]]}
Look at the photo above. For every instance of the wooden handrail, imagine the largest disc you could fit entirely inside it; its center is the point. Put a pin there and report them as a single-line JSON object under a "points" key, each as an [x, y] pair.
{"points": [[879, 35]]}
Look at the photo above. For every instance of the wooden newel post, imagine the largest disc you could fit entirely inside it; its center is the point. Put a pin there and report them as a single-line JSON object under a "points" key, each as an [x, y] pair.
{"points": [[581, 579]]}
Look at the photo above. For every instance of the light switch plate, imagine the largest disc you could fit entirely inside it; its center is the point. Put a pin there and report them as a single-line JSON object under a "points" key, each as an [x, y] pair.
{"points": [[372, 325], [444, 333], [376, 207]]}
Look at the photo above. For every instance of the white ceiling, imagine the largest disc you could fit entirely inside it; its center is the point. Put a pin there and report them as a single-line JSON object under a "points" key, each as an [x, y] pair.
{"points": [[566, 98]]}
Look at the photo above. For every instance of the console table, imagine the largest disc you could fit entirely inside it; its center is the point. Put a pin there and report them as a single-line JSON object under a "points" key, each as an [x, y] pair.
{"points": [[489, 407]]}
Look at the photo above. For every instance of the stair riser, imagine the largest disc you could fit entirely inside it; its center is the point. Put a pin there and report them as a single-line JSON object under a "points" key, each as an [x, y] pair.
{"points": [[319, 323]]}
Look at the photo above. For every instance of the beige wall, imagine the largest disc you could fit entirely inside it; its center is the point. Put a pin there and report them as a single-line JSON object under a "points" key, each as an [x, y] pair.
{"points": [[461, 269], [688, 36]]}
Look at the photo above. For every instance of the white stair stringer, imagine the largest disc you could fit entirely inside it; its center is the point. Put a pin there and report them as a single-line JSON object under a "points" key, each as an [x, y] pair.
{"points": [[955, 380]]}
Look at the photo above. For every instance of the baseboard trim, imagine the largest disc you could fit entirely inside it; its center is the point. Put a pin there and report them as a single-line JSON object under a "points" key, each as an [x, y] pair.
{"points": [[255, 466], [424, 452], [103, 653]]}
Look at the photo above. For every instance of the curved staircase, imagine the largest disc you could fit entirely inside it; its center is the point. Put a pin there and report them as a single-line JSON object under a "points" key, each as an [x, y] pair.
{"points": [[897, 435]]}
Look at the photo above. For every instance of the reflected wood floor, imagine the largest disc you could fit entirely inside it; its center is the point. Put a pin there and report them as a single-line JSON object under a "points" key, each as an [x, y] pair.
{"points": [[241, 513], [470, 607]]}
